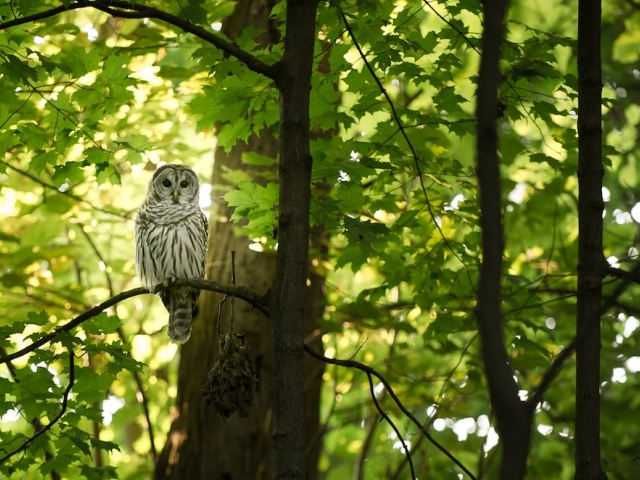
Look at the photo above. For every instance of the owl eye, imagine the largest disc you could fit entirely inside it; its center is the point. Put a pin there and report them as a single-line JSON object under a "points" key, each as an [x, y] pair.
{"points": [[184, 184], [167, 183]]}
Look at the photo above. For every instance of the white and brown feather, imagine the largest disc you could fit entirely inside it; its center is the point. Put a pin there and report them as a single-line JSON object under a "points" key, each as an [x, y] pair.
{"points": [[171, 241]]}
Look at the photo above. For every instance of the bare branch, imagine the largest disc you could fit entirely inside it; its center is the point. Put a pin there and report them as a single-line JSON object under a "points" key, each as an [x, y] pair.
{"points": [[611, 300], [371, 371], [253, 298], [143, 401], [403, 131], [77, 198], [620, 273], [65, 399], [124, 9], [393, 426], [551, 373], [39, 16]]}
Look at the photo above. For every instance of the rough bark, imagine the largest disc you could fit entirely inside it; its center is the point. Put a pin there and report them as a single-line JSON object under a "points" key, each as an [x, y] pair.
{"points": [[513, 416], [288, 295], [591, 263], [200, 445]]}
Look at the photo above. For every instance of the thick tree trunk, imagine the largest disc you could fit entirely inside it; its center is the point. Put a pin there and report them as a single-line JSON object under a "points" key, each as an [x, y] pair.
{"points": [[288, 295], [200, 445], [591, 263]]}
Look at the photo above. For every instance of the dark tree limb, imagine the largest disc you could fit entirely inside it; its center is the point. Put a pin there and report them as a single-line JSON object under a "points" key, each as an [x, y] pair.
{"points": [[623, 274], [250, 297], [253, 298], [393, 426], [610, 301], [124, 9], [371, 371]]}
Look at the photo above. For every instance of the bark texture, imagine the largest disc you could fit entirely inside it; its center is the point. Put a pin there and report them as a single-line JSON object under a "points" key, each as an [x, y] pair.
{"points": [[200, 445], [513, 416], [288, 295], [591, 262]]}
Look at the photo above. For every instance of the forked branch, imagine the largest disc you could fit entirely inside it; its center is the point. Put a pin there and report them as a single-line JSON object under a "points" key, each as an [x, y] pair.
{"points": [[123, 9], [372, 372]]}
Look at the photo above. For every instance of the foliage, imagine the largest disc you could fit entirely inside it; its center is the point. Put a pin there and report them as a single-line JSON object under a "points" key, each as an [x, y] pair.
{"points": [[91, 104]]}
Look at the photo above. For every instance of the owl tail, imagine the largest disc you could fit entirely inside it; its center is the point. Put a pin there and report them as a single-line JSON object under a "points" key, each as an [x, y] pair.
{"points": [[180, 305]]}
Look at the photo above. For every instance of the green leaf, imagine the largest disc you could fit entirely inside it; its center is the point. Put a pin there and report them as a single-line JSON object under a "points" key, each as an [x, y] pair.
{"points": [[102, 324], [59, 203], [40, 318], [258, 160], [70, 172]]}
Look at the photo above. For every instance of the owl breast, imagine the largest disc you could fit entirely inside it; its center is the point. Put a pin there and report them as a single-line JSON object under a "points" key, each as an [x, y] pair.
{"points": [[170, 246]]}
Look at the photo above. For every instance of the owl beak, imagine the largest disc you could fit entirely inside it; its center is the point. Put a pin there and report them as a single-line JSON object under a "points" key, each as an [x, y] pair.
{"points": [[175, 195]]}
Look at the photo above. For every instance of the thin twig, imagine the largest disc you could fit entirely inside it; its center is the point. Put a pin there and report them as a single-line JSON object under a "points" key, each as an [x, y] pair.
{"points": [[611, 300], [393, 426], [403, 131], [233, 299], [224, 299], [365, 368], [95, 249], [143, 400], [46, 428], [66, 193]]}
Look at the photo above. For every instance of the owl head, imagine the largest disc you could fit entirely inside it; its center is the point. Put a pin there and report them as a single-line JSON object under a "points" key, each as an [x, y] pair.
{"points": [[173, 183]]}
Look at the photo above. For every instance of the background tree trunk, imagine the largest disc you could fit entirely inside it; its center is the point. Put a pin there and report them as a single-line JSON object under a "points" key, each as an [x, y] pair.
{"points": [[513, 416], [200, 445]]}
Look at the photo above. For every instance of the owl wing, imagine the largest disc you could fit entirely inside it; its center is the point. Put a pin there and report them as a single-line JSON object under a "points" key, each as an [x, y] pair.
{"points": [[181, 302]]}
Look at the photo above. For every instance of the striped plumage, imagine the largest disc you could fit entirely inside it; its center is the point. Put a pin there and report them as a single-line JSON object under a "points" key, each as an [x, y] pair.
{"points": [[171, 242]]}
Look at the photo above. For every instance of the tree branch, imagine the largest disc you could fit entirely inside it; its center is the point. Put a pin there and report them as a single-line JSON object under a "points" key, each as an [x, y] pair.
{"points": [[77, 198], [611, 300], [39, 16], [620, 273], [144, 402], [393, 426], [65, 399], [371, 371], [513, 416], [124, 9], [253, 298], [403, 131]]}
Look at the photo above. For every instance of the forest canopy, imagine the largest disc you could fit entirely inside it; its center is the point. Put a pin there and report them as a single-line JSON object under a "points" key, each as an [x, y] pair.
{"points": [[97, 94]]}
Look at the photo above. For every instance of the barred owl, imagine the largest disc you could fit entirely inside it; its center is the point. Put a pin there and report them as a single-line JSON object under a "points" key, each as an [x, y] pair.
{"points": [[171, 241]]}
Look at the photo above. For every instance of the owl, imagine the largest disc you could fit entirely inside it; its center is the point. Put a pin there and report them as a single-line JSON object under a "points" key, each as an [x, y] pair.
{"points": [[171, 241]]}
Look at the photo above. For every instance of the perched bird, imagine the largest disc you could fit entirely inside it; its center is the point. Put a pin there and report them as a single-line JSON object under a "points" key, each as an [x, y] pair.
{"points": [[171, 241]]}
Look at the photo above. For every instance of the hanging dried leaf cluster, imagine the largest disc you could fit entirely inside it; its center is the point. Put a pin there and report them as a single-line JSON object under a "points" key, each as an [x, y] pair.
{"points": [[232, 379]]}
